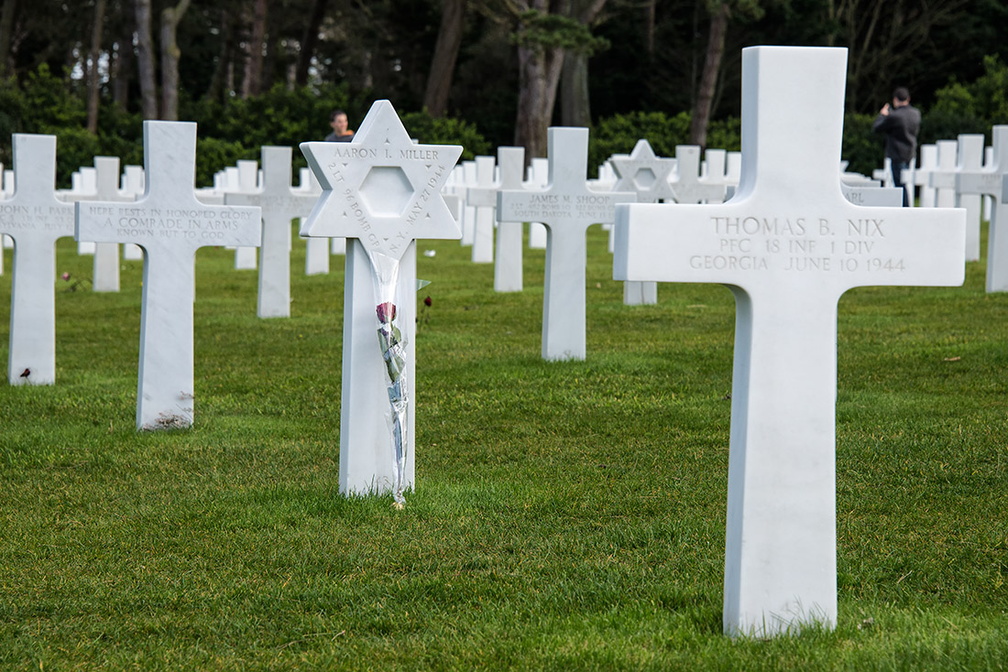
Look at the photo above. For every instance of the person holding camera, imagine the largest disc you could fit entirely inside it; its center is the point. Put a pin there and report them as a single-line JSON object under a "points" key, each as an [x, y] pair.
{"points": [[900, 121]]}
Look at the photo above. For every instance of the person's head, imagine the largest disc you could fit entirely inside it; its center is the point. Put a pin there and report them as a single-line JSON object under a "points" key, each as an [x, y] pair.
{"points": [[338, 121], [900, 97]]}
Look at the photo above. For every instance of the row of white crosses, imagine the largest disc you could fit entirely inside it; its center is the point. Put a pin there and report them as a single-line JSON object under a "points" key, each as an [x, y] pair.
{"points": [[954, 173], [788, 244]]}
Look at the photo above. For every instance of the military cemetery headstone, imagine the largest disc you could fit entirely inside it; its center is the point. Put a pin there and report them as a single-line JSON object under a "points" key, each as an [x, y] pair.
{"points": [[537, 177], [927, 163], [567, 207], [482, 197], [468, 209], [381, 192], [872, 196], [34, 217], [508, 257], [83, 184], [943, 177], [687, 187], [247, 172], [105, 276], [317, 250], [989, 181], [788, 245], [970, 156], [280, 204], [170, 224], [649, 176], [132, 184]]}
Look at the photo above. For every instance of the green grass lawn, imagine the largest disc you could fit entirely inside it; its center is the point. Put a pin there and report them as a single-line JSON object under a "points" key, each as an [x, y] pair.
{"points": [[566, 515]]}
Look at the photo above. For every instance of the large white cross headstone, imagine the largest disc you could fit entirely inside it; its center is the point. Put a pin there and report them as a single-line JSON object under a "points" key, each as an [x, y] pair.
{"points": [[508, 257], [34, 217], [170, 224], [567, 207], [280, 204], [989, 182], [788, 245], [381, 192]]}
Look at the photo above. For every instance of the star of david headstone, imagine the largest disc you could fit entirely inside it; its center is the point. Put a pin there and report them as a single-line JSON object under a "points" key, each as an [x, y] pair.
{"points": [[381, 192], [788, 245]]}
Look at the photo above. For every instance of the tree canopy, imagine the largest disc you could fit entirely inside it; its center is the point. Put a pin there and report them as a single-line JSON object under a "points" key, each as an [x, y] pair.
{"points": [[508, 67]]}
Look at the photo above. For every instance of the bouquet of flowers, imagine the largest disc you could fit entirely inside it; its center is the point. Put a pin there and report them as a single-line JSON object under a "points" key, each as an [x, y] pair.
{"points": [[393, 349]]}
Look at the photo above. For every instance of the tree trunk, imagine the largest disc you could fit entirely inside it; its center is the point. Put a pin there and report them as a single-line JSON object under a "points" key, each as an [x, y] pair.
{"points": [[216, 89], [145, 59], [539, 71], [308, 41], [575, 105], [446, 50], [649, 27], [708, 80], [252, 82], [6, 33], [93, 77], [170, 54]]}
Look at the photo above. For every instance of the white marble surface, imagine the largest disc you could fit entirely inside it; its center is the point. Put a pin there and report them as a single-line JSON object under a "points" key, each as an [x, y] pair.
{"points": [[483, 197], [34, 217], [567, 207], [381, 192], [105, 273], [170, 224], [508, 259], [989, 182], [244, 180], [788, 245], [280, 204], [687, 185]]}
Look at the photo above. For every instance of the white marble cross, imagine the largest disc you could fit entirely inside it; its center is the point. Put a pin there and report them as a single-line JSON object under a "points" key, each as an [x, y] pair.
{"points": [[132, 185], [922, 175], [35, 218], [970, 156], [688, 187], [537, 177], [482, 196], [943, 177], [508, 260], [787, 245], [567, 207], [989, 182], [317, 250], [280, 204], [468, 175], [105, 274], [245, 180], [170, 224], [381, 192], [649, 176]]}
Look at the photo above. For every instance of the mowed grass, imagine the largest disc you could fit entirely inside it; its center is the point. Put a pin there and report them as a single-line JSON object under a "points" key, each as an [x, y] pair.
{"points": [[566, 515]]}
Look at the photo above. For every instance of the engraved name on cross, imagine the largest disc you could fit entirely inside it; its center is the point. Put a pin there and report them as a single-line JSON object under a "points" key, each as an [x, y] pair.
{"points": [[170, 224], [787, 245], [381, 192], [34, 217], [567, 207]]}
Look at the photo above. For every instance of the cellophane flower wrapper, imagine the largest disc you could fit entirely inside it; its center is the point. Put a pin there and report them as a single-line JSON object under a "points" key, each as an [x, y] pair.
{"points": [[393, 350]]}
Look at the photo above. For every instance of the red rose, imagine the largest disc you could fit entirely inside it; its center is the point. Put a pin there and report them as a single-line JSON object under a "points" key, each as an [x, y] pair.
{"points": [[427, 301], [386, 312]]}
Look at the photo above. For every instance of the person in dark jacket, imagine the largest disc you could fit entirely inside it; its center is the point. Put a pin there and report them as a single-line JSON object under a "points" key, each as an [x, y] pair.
{"points": [[900, 121]]}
